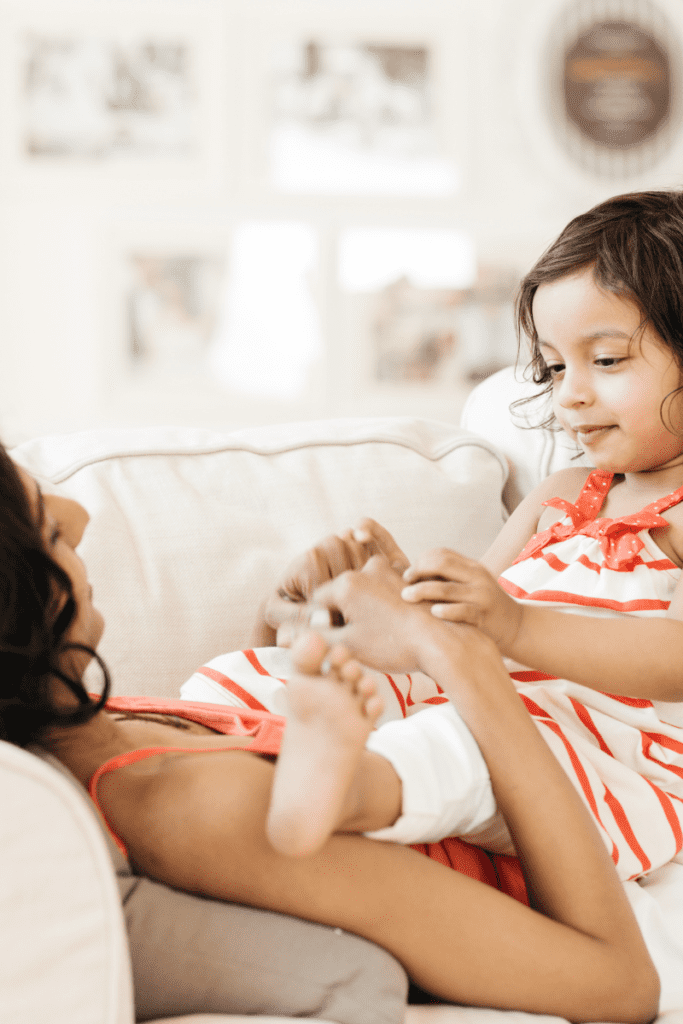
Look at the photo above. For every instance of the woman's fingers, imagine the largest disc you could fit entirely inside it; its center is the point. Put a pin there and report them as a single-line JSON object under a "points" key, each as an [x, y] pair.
{"points": [[371, 533]]}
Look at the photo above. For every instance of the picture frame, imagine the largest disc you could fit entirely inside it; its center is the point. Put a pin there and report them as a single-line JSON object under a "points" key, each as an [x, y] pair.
{"points": [[348, 104], [123, 99], [187, 308], [417, 345], [160, 290], [542, 39]]}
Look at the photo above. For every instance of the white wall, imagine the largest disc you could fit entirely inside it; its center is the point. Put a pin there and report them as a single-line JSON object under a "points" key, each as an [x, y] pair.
{"points": [[64, 225]]}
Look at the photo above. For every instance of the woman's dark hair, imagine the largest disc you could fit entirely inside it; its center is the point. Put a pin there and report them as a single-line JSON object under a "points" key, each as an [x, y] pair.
{"points": [[32, 624], [634, 247]]}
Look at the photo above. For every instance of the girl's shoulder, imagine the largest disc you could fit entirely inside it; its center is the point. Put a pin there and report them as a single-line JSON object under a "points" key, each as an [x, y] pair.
{"points": [[565, 483], [531, 516]]}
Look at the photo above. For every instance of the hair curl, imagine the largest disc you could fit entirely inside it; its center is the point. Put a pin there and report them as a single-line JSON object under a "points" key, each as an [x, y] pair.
{"points": [[32, 632], [634, 245]]}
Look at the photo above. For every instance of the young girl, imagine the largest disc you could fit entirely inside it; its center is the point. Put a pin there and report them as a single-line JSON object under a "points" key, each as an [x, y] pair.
{"points": [[603, 309]]}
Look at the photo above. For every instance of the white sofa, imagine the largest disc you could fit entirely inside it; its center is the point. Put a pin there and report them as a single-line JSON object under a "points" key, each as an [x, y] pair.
{"points": [[189, 530]]}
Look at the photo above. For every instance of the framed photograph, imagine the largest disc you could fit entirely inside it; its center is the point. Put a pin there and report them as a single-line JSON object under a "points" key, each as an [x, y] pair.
{"points": [[431, 324], [353, 103], [215, 315], [161, 294], [112, 93]]}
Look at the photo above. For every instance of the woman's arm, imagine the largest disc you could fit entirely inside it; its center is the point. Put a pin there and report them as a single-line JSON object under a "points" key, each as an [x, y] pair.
{"points": [[199, 825], [586, 951]]}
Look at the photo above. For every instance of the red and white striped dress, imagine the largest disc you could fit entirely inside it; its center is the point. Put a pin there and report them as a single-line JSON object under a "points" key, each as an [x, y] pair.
{"points": [[625, 755]]}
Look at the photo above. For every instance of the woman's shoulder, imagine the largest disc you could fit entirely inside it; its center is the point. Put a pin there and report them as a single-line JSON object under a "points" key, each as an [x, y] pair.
{"points": [[172, 811]]}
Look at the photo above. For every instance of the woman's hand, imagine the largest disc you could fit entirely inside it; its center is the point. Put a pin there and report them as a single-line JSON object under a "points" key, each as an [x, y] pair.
{"points": [[462, 590], [377, 626], [286, 609]]}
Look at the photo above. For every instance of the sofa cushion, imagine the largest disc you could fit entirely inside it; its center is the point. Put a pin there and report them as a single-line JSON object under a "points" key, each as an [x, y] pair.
{"points": [[195, 955], [533, 452], [191, 529], [64, 957]]}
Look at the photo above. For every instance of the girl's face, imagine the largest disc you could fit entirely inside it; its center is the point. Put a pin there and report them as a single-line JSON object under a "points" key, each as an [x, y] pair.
{"points": [[609, 378], [62, 522]]}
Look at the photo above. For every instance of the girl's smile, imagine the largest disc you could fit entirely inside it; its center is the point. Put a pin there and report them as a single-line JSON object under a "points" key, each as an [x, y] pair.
{"points": [[614, 380]]}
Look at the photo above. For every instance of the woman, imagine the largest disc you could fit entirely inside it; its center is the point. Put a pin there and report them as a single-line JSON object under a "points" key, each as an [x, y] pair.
{"points": [[196, 818]]}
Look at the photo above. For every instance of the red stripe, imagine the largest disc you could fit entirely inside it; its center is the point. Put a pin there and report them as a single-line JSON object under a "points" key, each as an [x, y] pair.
{"points": [[232, 687], [665, 741], [554, 562], [648, 739], [633, 702], [409, 699], [561, 596], [579, 770], [530, 676], [399, 695], [255, 663], [434, 700], [511, 587], [534, 709], [585, 560], [626, 830], [671, 815], [584, 716]]}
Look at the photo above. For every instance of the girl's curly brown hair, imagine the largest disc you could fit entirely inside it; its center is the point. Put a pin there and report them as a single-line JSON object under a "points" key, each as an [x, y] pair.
{"points": [[634, 246]]}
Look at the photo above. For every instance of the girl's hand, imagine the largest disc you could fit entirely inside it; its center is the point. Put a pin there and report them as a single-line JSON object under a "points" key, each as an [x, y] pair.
{"points": [[377, 626], [462, 590], [286, 609]]}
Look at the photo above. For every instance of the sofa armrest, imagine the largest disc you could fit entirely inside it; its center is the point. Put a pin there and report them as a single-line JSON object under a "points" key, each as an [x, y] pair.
{"points": [[65, 956]]}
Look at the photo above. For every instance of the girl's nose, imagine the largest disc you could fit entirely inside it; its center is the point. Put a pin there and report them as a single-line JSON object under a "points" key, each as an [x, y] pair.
{"points": [[573, 389]]}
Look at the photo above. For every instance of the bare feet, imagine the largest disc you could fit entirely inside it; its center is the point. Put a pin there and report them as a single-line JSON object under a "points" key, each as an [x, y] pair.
{"points": [[330, 717]]}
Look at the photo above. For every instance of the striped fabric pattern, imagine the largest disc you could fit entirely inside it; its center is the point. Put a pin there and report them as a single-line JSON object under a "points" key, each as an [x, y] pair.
{"points": [[625, 755]]}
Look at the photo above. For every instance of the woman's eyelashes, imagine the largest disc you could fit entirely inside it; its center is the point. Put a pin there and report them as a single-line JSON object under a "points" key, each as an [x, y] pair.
{"points": [[54, 532]]}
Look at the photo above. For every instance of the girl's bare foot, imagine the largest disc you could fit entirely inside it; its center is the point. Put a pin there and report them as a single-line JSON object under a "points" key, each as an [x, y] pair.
{"points": [[333, 707]]}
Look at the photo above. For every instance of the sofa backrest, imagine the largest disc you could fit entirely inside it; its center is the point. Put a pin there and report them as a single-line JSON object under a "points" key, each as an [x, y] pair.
{"points": [[533, 453], [191, 529]]}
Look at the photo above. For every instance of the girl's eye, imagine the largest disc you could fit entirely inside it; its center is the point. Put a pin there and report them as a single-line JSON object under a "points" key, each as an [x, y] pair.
{"points": [[554, 369], [608, 361]]}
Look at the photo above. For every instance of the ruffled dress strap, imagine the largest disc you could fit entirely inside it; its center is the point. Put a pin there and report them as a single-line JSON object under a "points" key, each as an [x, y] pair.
{"points": [[588, 504], [619, 539]]}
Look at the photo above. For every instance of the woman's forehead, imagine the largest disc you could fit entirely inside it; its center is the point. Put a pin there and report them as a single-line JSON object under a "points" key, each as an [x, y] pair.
{"points": [[32, 491]]}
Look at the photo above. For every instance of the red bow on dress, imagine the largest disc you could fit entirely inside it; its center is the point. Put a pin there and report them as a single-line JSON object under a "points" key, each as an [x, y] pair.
{"points": [[619, 540]]}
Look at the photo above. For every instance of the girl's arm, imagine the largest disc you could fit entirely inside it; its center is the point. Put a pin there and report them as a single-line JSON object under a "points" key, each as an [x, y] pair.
{"points": [[630, 656]]}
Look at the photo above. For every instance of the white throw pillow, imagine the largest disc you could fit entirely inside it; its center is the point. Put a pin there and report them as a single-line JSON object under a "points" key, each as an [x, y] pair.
{"points": [[191, 529]]}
